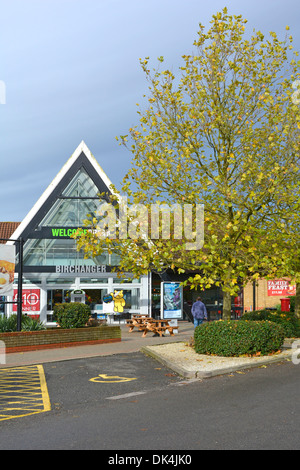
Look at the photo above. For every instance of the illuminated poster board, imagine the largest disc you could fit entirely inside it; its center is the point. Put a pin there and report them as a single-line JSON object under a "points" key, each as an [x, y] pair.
{"points": [[171, 300]]}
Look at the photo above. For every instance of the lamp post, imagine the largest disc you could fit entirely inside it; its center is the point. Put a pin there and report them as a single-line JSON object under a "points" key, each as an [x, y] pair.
{"points": [[254, 295], [20, 281]]}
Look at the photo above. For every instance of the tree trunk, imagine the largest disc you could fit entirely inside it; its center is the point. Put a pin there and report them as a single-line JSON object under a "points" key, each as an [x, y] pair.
{"points": [[226, 306], [297, 300]]}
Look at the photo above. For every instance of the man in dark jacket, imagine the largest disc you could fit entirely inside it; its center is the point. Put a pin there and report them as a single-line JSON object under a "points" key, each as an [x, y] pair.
{"points": [[199, 312]]}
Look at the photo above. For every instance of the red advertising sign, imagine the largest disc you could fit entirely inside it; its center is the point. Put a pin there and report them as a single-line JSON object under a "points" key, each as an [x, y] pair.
{"points": [[30, 300], [278, 287]]}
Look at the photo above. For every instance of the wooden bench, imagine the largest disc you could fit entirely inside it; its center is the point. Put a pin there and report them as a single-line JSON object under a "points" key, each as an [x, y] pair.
{"points": [[138, 323], [157, 330], [130, 324], [146, 324], [171, 329], [158, 327]]}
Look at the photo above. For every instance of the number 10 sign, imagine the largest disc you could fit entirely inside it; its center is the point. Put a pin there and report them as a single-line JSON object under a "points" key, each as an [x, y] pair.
{"points": [[30, 300]]}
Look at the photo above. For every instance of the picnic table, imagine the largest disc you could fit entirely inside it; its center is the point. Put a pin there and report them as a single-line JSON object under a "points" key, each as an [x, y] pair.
{"points": [[137, 321], [146, 324]]}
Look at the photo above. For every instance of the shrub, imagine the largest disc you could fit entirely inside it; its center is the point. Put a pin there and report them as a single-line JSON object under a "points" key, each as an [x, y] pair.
{"points": [[31, 324], [71, 315], [236, 338], [288, 320], [8, 325]]}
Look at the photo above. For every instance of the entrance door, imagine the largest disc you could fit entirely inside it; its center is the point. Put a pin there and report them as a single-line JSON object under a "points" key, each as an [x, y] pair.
{"points": [[94, 298], [56, 296]]}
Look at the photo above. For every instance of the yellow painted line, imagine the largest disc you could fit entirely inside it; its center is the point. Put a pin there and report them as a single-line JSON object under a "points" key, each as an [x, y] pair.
{"points": [[23, 392], [44, 389], [111, 379]]}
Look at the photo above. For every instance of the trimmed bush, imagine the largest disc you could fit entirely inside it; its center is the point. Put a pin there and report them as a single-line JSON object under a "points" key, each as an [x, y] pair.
{"points": [[237, 338], [287, 320], [71, 315]]}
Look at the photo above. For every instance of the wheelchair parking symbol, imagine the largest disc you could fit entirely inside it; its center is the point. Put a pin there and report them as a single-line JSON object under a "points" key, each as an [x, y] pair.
{"points": [[104, 378]]}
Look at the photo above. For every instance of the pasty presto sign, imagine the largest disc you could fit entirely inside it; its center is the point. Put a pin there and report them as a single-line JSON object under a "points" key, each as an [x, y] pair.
{"points": [[7, 269]]}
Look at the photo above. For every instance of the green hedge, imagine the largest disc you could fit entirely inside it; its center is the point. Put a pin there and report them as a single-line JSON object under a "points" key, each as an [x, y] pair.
{"points": [[287, 320], [71, 315], [236, 338]]}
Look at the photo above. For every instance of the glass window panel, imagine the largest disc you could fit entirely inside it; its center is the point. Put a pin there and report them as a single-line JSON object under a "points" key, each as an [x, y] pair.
{"points": [[57, 296], [102, 259], [58, 252], [115, 259], [31, 281], [95, 297], [81, 186], [125, 280], [28, 281], [132, 299], [60, 280], [50, 252], [70, 212], [131, 296]]}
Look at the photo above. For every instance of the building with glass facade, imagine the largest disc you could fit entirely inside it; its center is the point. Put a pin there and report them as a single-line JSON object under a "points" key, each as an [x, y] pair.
{"points": [[53, 268]]}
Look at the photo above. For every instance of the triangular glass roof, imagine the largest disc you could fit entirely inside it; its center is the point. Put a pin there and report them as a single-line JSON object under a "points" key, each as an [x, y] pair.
{"points": [[72, 194], [81, 186], [77, 200], [72, 197]]}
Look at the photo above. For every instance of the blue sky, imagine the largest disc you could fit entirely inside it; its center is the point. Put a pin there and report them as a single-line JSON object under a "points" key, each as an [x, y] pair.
{"points": [[71, 71]]}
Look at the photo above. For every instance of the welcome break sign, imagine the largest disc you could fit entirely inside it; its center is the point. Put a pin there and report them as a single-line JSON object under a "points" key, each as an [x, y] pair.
{"points": [[281, 287]]}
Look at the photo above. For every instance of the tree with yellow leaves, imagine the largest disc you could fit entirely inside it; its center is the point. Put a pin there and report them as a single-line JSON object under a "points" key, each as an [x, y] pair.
{"points": [[223, 134]]}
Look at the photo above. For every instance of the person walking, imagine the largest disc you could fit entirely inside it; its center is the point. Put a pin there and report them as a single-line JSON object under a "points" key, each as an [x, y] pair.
{"points": [[199, 312]]}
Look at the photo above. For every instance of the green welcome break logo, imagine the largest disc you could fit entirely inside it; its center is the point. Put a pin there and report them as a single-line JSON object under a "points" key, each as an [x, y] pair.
{"points": [[66, 232]]}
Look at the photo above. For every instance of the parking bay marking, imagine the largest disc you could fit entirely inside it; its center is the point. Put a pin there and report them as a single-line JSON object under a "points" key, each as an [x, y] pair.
{"points": [[23, 392], [103, 378], [127, 395]]}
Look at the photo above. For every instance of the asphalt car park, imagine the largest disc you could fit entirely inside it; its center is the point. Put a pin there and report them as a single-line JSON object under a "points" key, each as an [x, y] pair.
{"points": [[71, 383], [131, 402]]}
